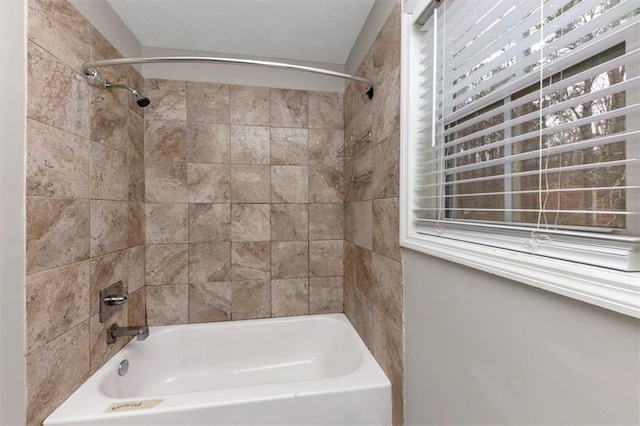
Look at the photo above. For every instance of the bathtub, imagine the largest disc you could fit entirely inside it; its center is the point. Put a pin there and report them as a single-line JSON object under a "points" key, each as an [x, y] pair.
{"points": [[298, 370]]}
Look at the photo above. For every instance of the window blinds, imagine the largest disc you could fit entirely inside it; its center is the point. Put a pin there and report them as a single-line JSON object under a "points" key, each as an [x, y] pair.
{"points": [[528, 125]]}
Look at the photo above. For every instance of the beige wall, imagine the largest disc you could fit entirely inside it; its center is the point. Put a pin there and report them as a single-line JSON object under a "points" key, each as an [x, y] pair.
{"points": [[373, 269]]}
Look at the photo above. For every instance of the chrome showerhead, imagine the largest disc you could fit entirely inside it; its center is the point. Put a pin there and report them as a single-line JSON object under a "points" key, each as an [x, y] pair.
{"points": [[141, 100]]}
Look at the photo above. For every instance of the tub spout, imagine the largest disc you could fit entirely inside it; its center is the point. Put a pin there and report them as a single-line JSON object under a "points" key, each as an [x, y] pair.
{"points": [[140, 333]]}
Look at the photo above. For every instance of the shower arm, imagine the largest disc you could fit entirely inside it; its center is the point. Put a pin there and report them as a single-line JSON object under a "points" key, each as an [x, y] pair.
{"points": [[90, 68]]}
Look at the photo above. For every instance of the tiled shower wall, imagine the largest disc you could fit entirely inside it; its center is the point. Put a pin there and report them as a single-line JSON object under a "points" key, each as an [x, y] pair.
{"points": [[373, 268], [85, 211], [243, 202]]}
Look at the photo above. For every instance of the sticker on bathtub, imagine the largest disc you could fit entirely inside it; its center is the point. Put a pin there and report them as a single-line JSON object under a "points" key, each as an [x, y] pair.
{"points": [[133, 405]]}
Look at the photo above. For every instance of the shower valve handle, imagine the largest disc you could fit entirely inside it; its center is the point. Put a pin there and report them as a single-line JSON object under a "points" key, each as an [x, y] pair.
{"points": [[115, 300]]}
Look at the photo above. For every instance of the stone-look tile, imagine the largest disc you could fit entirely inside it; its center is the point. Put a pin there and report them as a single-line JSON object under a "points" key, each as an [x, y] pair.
{"points": [[326, 258], [209, 183], [165, 140], [360, 312], [250, 222], [251, 299], [386, 286], [57, 232], [168, 304], [167, 264], [324, 147], [136, 274], [289, 184], [325, 295], [289, 108], [136, 180], [136, 224], [387, 348], [207, 102], [101, 49], [167, 223], [289, 222], [208, 143], [109, 176], [386, 228], [250, 145], [109, 120], [348, 220], [289, 297], [57, 162], [55, 371], [166, 182], [106, 270], [209, 262], [109, 226], [357, 266], [137, 309], [386, 168], [209, 222], [289, 259], [250, 184], [358, 177], [168, 99], [58, 95], [385, 51], [46, 293], [363, 224], [249, 105], [250, 261], [325, 184], [100, 351], [289, 147], [385, 108], [325, 221], [136, 128], [59, 28], [325, 110], [209, 302], [397, 404]]}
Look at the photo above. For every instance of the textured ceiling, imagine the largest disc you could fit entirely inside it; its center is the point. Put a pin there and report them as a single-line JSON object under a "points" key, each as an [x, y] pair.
{"points": [[307, 30]]}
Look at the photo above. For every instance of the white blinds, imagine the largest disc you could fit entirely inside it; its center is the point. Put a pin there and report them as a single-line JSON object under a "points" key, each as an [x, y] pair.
{"points": [[529, 118]]}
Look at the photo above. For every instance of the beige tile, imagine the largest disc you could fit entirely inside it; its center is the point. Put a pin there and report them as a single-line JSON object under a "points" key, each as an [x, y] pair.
{"points": [[363, 223], [57, 95], [325, 110], [137, 309], [386, 228], [59, 28], [137, 262], [397, 404], [387, 348], [249, 145], [250, 261], [209, 262], [106, 270], [57, 231], [109, 173], [360, 312], [136, 180], [251, 299], [168, 99], [46, 293], [209, 222], [167, 264], [166, 182], [289, 184], [289, 147], [207, 102], [55, 371], [250, 184], [208, 143], [386, 168], [57, 162], [325, 221], [168, 304], [325, 258], [165, 140], [250, 222], [325, 184], [209, 183], [249, 105], [167, 223], [135, 129], [324, 147], [325, 295], [358, 177], [109, 226], [289, 259], [386, 286], [100, 351], [289, 108], [349, 221], [357, 267], [136, 224], [209, 302], [109, 120], [385, 51], [289, 222], [385, 108], [289, 297]]}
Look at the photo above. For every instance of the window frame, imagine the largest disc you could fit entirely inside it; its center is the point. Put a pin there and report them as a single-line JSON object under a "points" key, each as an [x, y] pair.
{"points": [[611, 289]]}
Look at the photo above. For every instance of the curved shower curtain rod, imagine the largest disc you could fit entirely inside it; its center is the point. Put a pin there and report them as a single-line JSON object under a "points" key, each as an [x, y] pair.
{"points": [[94, 77]]}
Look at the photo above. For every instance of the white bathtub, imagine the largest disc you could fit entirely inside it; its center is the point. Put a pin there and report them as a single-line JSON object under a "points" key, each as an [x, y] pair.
{"points": [[299, 370]]}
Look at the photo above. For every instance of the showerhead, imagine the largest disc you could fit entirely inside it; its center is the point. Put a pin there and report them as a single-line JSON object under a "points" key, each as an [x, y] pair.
{"points": [[142, 101]]}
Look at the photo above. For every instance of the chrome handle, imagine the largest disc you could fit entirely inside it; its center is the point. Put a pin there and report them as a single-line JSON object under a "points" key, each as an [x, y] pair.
{"points": [[115, 300]]}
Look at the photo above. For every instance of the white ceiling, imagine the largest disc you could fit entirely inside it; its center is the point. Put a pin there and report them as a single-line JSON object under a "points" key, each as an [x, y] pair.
{"points": [[306, 30]]}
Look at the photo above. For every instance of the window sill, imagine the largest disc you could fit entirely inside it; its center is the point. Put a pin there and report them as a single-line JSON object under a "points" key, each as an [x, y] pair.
{"points": [[610, 289]]}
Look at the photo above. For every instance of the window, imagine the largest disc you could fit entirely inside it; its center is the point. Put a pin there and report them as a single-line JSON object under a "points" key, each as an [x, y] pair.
{"points": [[522, 128]]}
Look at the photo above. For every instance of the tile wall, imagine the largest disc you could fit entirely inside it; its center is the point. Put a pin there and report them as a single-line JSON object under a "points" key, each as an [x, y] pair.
{"points": [[85, 204]]}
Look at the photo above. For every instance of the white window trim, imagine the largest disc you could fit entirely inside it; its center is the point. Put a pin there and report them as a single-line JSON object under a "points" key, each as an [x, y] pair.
{"points": [[610, 289]]}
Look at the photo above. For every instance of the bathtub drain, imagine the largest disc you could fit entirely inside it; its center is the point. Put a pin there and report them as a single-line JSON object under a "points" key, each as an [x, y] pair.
{"points": [[123, 367]]}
